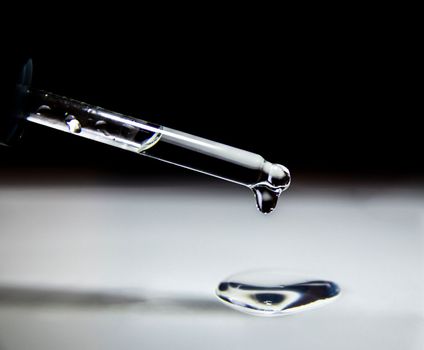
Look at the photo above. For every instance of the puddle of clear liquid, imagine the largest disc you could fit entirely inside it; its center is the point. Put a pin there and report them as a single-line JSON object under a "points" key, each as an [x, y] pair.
{"points": [[274, 293]]}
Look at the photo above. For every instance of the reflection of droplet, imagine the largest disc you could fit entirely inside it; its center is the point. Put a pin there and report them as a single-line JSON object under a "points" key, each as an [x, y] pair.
{"points": [[274, 293], [74, 125]]}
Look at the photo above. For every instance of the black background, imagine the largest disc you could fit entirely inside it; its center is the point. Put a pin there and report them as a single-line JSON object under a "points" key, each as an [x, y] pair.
{"points": [[324, 100]]}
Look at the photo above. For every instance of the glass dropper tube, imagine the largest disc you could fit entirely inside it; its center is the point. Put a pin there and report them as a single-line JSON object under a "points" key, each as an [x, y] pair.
{"points": [[265, 179]]}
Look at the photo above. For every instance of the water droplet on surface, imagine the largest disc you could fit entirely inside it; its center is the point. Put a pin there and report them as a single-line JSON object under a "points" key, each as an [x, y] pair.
{"points": [[274, 293], [73, 124]]}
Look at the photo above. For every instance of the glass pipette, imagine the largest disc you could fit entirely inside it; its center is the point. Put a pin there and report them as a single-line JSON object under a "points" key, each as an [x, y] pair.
{"points": [[265, 179]]}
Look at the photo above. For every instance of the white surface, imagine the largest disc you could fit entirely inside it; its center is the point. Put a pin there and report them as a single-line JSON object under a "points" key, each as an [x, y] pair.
{"points": [[180, 242]]}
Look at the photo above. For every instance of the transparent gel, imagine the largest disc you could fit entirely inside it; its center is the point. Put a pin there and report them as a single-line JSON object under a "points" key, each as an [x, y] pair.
{"points": [[266, 180]]}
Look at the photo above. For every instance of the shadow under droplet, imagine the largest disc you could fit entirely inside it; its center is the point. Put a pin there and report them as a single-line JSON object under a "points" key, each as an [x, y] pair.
{"points": [[42, 297]]}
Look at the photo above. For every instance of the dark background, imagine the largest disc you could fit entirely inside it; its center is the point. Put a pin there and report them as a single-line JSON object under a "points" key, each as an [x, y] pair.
{"points": [[325, 101]]}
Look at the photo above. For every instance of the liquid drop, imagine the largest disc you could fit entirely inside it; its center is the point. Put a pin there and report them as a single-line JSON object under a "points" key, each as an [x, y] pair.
{"points": [[275, 179], [266, 197], [274, 293]]}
